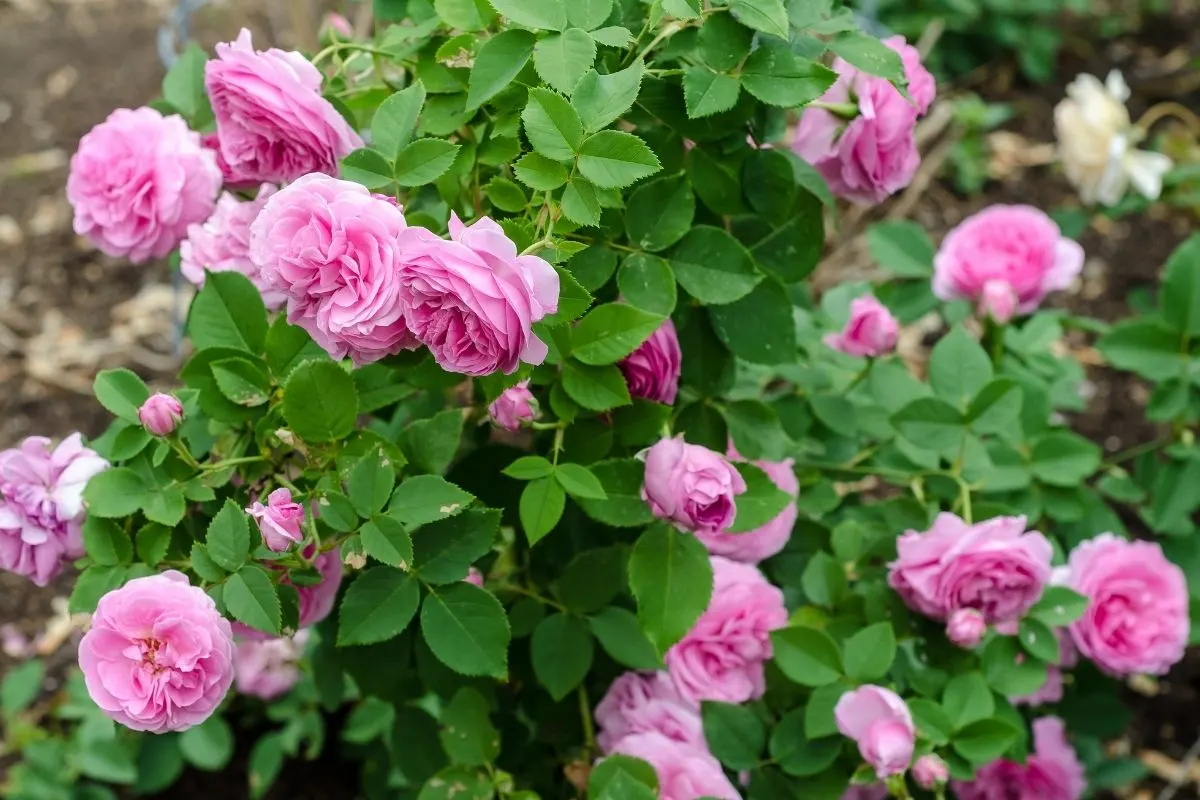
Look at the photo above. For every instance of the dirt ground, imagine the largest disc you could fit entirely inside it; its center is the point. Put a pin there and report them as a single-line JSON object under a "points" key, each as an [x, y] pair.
{"points": [[67, 311]]}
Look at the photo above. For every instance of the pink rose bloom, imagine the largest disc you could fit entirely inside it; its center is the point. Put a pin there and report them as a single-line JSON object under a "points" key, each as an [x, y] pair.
{"points": [[41, 505], [279, 520], [315, 601], [222, 244], [338, 24], [922, 88], [138, 180], [1005, 257], [514, 407], [474, 577], [767, 540], [691, 485], [161, 414], [652, 370], [722, 656], [335, 252], [158, 656], [966, 627], [267, 668], [473, 300], [1052, 772], [870, 331], [685, 772], [1137, 615], [930, 771], [873, 791], [273, 125], [993, 566], [647, 702], [879, 721]]}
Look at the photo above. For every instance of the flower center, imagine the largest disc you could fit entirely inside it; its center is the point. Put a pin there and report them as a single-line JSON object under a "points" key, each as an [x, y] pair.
{"points": [[150, 650]]}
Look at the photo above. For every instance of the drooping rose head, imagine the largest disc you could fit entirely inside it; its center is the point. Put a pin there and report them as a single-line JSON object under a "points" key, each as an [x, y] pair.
{"points": [[41, 505], [691, 485], [765, 541], [473, 300], [871, 329], [161, 414], [722, 656], [279, 521], [1137, 615], [966, 627], [652, 370], [273, 125], [138, 180], [930, 771], [268, 668], [158, 656], [335, 252], [922, 88], [222, 244], [879, 721], [1052, 772], [514, 407], [685, 772], [995, 567], [315, 601], [1015, 246], [647, 702]]}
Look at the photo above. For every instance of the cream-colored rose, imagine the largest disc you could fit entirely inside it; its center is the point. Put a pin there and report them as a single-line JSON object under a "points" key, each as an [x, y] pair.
{"points": [[1096, 138]]}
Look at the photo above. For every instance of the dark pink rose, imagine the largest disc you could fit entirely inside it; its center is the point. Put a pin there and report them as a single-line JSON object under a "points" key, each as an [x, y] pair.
{"points": [[222, 244], [514, 407], [279, 521], [691, 485], [769, 538], [871, 329], [161, 414], [1052, 772], [652, 370]]}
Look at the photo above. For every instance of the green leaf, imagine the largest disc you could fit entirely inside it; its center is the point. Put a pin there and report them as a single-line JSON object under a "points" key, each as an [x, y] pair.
{"points": [[706, 92], [756, 430], [466, 729], [932, 722], [658, 214], [228, 537], [869, 653], [445, 549], [152, 543], [338, 512], [121, 392], [902, 247], [593, 266], [967, 699], [1039, 640], [1145, 347], [601, 99], [1063, 458], [378, 606], [622, 777], [166, 506], [768, 16], [499, 60], [807, 656], [734, 734], [713, 267], [562, 651], [622, 482], [823, 580], [21, 686], [562, 59], [1009, 671], [996, 408], [424, 161], [593, 578], [723, 43], [1059, 606], [599, 388], [647, 282], [467, 630], [541, 507], [92, 584], [109, 760], [611, 332], [622, 638], [552, 125], [613, 36], [204, 566], [288, 346], [778, 77], [430, 444], [459, 783], [549, 15], [228, 312], [868, 54], [671, 578], [760, 503], [209, 745], [369, 720], [1181, 288], [369, 168], [616, 159], [183, 86], [251, 598], [427, 498], [930, 424], [795, 753], [581, 202], [958, 368], [242, 381], [985, 740], [579, 481], [526, 468], [396, 118], [466, 15], [589, 14], [369, 484], [107, 544], [759, 327], [386, 540], [505, 195], [539, 172], [320, 402]]}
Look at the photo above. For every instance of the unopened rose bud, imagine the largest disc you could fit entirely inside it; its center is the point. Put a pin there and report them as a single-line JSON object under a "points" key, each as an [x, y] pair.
{"points": [[161, 414], [930, 771], [966, 628], [998, 301]]}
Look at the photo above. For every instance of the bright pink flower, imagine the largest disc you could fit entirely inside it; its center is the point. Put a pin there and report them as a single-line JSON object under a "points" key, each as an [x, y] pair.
{"points": [[765, 541], [158, 656], [161, 414], [872, 791], [930, 771], [514, 407], [41, 505], [922, 88], [279, 520], [685, 772], [691, 485], [1137, 615], [267, 668], [273, 125], [1005, 255], [138, 180], [652, 370], [335, 251], [966, 627], [647, 702], [315, 601], [722, 656], [473, 300], [993, 566], [1053, 772], [222, 244], [871, 329], [879, 721], [474, 577]]}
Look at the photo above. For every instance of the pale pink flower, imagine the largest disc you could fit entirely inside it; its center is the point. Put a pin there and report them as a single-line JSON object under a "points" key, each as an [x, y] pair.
{"points": [[871, 330], [879, 721], [930, 771], [161, 414], [691, 485], [966, 627], [647, 702], [685, 772], [652, 370], [279, 520], [474, 577], [222, 244], [516, 406], [769, 538], [267, 668], [1052, 772]]}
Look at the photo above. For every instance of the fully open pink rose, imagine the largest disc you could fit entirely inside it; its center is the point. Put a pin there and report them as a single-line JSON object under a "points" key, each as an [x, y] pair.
{"points": [[138, 180], [315, 601], [993, 566], [691, 485], [765, 541], [871, 329], [722, 656], [473, 300], [1005, 256], [222, 244], [647, 702], [41, 505], [1052, 772], [158, 656], [335, 252], [273, 125], [267, 668], [652, 370], [279, 521], [685, 772], [514, 407], [1137, 615], [879, 721]]}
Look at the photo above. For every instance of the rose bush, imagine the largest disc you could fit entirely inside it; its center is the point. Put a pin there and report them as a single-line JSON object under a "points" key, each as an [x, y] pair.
{"points": [[515, 456]]}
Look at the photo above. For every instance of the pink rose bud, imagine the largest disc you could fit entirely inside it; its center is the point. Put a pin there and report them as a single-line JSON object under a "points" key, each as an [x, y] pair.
{"points": [[161, 414], [966, 627], [870, 331], [930, 771], [267, 668], [880, 722], [691, 485], [474, 577], [998, 301], [514, 407], [158, 656], [279, 520], [652, 370], [338, 24]]}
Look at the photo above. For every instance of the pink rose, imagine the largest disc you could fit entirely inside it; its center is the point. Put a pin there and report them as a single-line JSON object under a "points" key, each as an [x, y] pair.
{"points": [[765, 541], [222, 244], [652, 370], [930, 771], [158, 656], [161, 414], [1137, 615], [474, 577], [138, 180], [685, 772], [272, 123], [267, 668], [879, 721], [1005, 256], [993, 566], [315, 601], [691, 485], [966, 627], [1053, 772], [922, 88], [473, 300], [872, 791], [647, 702], [41, 505], [722, 656], [514, 407], [336, 23], [335, 252], [279, 520], [870, 331]]}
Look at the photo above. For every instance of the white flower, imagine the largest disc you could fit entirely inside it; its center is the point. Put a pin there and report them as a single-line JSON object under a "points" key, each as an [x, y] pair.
{"points": [[1096, 142]]}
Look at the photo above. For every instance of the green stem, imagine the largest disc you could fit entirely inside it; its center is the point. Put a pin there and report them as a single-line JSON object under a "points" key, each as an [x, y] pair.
{"points": [[231, 462], [861, 376], [178, 447], [558, 442], [843, 110], [964, 494], [336, 46], [993, 334], [1133, 452], [585, 713]]}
